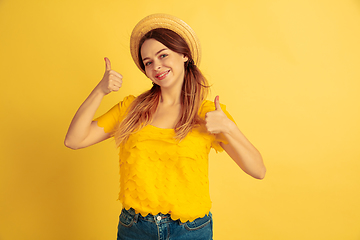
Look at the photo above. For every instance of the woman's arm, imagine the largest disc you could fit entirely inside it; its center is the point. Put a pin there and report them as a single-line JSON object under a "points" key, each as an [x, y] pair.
{"points": [[83, 131], [239, 148]]}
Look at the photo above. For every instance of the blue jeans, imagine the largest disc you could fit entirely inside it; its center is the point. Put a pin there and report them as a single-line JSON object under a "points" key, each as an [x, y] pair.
{"points": [[161, 227]]}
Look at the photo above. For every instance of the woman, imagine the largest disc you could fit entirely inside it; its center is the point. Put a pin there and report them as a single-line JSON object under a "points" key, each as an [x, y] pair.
{"points": [[164, 135]]}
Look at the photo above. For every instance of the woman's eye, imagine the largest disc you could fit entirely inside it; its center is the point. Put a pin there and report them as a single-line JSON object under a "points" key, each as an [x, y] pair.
{"points": [[147, 63], [163, 55]]}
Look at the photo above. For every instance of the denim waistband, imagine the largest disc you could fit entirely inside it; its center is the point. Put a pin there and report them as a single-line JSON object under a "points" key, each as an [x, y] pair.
{"points": [[149, 217]]}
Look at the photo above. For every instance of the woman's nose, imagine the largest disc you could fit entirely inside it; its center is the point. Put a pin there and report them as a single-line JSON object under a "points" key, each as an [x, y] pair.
{"points": [[157, 65]]}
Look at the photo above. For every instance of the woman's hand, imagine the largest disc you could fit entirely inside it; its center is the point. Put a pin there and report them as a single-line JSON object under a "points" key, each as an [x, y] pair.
{"points": [[111, 81], [217, 121]]}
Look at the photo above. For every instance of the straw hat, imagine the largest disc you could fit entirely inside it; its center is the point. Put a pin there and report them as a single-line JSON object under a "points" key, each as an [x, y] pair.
{"points": [[169, 22]]}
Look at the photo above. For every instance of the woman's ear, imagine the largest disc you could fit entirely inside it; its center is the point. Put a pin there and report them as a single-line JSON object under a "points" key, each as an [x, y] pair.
{"points": [[185, 58]]}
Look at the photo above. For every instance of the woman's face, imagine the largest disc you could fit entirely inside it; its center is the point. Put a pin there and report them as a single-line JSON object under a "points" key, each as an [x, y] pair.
{"points": [[162, 65]]}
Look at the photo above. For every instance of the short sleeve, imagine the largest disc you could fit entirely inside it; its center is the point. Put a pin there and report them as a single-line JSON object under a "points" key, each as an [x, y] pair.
{"points": [[209, 106], [109, 120]]}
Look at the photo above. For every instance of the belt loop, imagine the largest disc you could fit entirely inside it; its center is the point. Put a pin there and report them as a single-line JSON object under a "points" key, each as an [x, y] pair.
{"points": [[136, 217]]}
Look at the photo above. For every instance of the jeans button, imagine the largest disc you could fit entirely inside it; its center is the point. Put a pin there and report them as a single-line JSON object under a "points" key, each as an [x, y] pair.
{"points": [[158, 218]]}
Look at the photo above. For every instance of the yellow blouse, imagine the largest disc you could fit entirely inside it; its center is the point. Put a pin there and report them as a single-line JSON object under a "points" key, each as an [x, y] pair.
{"points": [[159, 174]]}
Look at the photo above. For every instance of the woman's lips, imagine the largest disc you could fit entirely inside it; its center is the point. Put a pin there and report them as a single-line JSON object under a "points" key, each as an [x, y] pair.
{"points": [[162, 75]]}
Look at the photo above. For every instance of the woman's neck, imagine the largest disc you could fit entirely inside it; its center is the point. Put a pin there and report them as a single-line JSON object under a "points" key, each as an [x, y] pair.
{"points": [[170, 96]]}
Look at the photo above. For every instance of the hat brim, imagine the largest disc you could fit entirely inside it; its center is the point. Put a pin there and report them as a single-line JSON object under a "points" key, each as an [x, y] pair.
{"points": [[175, 24]]}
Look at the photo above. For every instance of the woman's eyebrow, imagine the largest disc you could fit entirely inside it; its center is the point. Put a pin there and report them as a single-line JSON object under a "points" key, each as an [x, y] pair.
{"points": [[155, 53]]}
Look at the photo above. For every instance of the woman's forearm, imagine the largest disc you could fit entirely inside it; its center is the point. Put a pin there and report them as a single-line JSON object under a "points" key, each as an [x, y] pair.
{"points": [[80, 125], [240, 149]]}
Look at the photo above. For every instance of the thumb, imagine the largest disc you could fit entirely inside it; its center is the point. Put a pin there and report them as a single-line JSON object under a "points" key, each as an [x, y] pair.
{"points": [[107, 64], [217, 103]]}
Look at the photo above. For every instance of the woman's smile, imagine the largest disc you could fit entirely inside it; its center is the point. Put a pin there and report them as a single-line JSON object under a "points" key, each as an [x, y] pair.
{"points": [[162, 75]]}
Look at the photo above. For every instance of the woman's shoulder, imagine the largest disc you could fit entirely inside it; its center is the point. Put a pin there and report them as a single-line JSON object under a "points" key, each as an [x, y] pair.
{"points": [[129, 99], [121, 107], [208, 106], [125, 103], [109, 120]]}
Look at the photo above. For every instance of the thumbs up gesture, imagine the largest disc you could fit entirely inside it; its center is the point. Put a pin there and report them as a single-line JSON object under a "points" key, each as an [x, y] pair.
{"points": [[217, 121], [111, 81]]}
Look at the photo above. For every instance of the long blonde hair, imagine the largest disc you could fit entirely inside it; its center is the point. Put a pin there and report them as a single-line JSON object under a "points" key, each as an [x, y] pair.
{"points": [[194, 91]]}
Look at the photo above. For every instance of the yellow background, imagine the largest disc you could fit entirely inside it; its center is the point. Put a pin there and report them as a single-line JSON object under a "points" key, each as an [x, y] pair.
{"points": [[288, 71]]}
